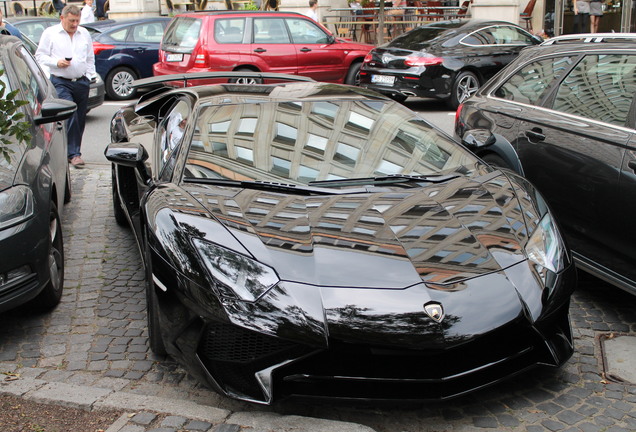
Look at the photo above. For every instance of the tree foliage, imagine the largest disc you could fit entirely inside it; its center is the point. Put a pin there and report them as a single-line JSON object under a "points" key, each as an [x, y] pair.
{"points": [[11, 124]]}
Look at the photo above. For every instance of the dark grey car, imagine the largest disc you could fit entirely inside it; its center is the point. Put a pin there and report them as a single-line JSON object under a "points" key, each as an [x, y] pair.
{"points": [[34, 185]]}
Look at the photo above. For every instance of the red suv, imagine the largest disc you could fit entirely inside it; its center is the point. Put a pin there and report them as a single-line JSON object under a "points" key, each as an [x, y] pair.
{"points": [[283, 42]]}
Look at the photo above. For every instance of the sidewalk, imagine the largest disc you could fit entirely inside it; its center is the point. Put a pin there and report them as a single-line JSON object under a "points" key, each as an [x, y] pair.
{"points": [[157, 414]]}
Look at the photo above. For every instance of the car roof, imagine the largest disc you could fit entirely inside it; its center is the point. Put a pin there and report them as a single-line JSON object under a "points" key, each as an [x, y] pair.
{"points": [[576, 47], [199, 14]]}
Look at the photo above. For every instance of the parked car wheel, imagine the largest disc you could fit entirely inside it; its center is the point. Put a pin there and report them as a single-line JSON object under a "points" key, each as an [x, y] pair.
{"points": [[50, 296], [246, 80], [353, 76], [119, 83], [465, 85]]}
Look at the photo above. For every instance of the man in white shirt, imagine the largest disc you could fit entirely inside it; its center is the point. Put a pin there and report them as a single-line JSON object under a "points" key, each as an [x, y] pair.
{"points": [[66, 49], [88, 14], [313, 8]]}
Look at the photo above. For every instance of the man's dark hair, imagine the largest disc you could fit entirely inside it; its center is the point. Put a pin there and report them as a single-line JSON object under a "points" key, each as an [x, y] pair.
{"points": [[312, 3]]}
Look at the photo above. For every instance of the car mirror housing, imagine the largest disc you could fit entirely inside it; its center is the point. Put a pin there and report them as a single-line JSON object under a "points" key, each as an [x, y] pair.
{"points": [[127, 154], [55, 110], [478, 138]]}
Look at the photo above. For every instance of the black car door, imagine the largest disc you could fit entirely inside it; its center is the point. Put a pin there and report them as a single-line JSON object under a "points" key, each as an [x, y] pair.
{"points": [[625, 198], [574, 150]]}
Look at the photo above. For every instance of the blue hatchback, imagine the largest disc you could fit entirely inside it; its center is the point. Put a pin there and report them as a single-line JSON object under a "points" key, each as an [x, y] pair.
{"points": [[126, 51]]}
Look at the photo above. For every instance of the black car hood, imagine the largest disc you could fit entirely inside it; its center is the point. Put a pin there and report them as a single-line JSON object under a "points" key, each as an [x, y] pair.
{"points": [[389, 238]]}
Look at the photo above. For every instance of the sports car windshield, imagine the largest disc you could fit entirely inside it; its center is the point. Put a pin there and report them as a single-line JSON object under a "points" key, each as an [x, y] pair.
{"points": [[302, 143]]}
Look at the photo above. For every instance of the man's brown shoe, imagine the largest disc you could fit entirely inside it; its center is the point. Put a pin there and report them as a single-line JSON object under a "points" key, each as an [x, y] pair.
{"points": [[77, 162]]}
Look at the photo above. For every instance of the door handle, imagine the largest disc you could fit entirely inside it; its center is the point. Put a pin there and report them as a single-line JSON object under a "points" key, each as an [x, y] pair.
{"points": [[535, 134], [260, 50], [59, 125], [305, 49], [139, 49], [632, 165]]}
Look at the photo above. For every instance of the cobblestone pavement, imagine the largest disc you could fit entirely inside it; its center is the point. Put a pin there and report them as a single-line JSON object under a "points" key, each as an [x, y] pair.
{"points": [[97, 337]]}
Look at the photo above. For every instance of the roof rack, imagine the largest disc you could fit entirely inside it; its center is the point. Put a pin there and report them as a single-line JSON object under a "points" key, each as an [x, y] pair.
{"points": [[592, 38]]}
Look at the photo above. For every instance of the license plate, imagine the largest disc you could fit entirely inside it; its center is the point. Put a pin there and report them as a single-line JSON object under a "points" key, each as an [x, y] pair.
{"points": [[92, 92], [382, 79], [174, 57]]}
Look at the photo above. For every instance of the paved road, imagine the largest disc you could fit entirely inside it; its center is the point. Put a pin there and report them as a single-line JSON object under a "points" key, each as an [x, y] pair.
{"points": [[97, 339]]}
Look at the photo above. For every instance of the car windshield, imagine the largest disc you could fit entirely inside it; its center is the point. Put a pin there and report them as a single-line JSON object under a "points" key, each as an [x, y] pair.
{"points": [[182, 34], [324, 140]]}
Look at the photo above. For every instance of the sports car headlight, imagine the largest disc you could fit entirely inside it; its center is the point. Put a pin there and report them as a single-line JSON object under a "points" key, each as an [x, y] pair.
{"points": [[545, 246], [236, 274], [16, 206]]}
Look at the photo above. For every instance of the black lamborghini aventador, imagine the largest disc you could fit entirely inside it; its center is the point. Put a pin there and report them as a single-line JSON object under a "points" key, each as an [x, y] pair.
{"points": [[312, 239]]}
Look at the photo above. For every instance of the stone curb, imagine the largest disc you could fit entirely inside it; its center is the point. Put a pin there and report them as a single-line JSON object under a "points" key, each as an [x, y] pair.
{"points": [[95, 398]]}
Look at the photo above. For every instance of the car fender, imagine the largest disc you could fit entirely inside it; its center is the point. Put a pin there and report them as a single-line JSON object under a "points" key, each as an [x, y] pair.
{"points": [[117, 60], [482, 142]]}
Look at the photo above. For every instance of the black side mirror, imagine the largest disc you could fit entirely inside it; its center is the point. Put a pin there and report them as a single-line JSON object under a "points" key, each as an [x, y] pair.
{"points": [[478, 138], [53, 110], [131, 155]]}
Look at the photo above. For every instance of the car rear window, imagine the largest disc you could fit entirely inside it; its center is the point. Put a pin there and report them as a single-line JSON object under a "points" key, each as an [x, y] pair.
{"points": [[229, 30], [182, 34], [418, 38]]}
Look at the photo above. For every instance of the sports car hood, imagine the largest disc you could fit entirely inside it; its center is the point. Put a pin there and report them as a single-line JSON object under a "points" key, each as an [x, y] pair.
{"points": [[386, 238]]}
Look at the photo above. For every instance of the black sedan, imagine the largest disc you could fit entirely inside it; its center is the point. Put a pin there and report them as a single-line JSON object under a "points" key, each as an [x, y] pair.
{"points": [[448, 60], [34, 185], [563, 115], [316, 239], [125, 51]]}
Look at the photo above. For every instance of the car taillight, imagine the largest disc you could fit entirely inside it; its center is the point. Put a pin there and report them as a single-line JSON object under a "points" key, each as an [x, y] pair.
{"points": [[422, 60], [201, 57], [99, 47], [458, 114], [368, 58]]}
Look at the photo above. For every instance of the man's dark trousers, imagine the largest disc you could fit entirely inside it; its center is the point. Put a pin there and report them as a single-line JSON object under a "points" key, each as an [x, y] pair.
{"points": [[76, 91]]}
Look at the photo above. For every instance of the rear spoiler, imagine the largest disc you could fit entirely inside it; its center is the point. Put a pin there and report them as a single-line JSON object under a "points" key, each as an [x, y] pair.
{"points": [[162, 79]]}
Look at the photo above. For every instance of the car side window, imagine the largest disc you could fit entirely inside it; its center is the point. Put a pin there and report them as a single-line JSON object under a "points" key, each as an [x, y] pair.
{"points": [[529, 84], [498, 35], [148, 33], [270, 31], [304, 31], [119, 35], [601, 87], [229, 30], [172, 129]]}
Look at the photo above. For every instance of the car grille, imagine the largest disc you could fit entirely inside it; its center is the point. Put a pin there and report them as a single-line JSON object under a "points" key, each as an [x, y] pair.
{"points": [[233, 355], [353, 371]]}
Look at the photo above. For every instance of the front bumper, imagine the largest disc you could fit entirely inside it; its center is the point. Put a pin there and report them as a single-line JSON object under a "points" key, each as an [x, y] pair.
{"points": [[282, 346]]}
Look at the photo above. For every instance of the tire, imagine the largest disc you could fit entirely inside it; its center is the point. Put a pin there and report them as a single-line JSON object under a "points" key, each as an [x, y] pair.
{"points": [[155, 340], [118, 83], [50, 296], [353, 76], [495, 160], [465, 85], [245, 80], [67, 190], [118, 210]]}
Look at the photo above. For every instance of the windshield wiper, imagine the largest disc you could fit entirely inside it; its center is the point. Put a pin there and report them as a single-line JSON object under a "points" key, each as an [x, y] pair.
{"points": [[385, 180], [269, 186]]}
